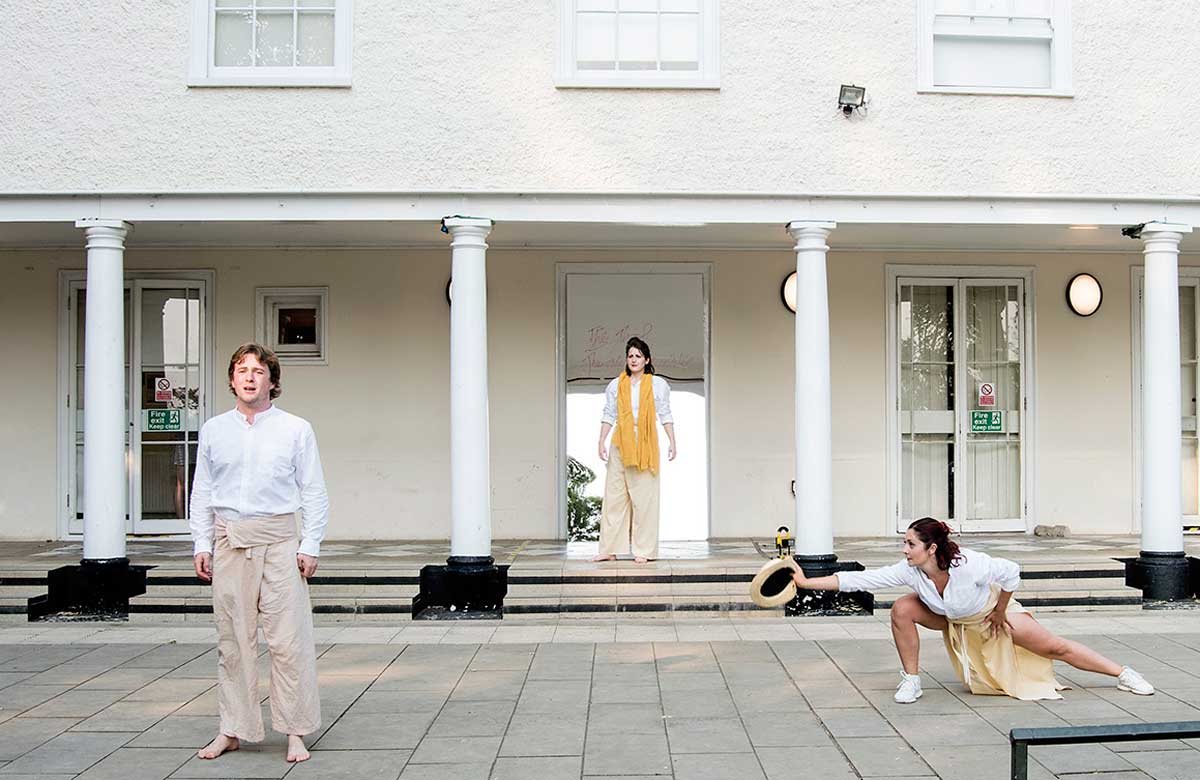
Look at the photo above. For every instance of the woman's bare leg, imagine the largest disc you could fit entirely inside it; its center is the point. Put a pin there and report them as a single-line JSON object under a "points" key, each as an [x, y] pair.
{"points": [[907, 613], [1036, 638]]}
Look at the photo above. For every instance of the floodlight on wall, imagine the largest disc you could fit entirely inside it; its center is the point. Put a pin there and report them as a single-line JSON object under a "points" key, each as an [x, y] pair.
{"points": [[1084, 294], [852, 98], [787, 291]]}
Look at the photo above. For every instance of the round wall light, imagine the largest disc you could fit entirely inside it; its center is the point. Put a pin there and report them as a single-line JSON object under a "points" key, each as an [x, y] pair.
{"points": [[1084, 294], [787, 291]]}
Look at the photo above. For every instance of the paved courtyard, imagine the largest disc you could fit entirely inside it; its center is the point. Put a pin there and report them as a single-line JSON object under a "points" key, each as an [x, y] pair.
{"points": [[577, 698]]}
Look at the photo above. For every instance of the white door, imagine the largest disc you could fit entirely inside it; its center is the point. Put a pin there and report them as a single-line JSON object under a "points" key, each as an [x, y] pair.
{"points": [[960, 402], [165, 401]]}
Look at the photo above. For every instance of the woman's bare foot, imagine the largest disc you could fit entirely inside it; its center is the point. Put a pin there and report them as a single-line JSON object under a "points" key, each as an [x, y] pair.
{"points": [[640, 559], [222, 744], [600, 558], [296, 750]]}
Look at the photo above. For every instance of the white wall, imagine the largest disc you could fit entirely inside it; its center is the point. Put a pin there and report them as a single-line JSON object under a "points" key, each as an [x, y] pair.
{"points": [[380, 407], [450, 96]]}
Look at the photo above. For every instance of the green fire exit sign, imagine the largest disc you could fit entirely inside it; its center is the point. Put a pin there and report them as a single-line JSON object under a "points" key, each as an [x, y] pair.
{"points": [[987, 422]]}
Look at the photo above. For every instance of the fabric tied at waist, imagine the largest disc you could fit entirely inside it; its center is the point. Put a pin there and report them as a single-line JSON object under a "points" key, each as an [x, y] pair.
{"points": [[251, 532], [995, 664]]}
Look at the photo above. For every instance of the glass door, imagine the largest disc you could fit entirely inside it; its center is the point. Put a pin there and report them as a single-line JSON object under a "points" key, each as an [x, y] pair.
{"points": [[165, 369], [960, 348]]}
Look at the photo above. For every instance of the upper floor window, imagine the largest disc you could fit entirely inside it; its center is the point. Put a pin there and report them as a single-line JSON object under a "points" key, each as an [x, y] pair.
{"points": [[638, 43], [1009, 47], [275, 43]]}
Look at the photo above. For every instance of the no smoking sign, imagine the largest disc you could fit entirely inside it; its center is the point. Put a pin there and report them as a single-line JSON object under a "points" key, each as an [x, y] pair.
{"points": [[987, 394]]}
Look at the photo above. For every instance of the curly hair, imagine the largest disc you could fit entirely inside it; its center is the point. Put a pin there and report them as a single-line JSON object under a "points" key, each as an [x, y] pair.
{"points": [[931, 531], [266, 357]]}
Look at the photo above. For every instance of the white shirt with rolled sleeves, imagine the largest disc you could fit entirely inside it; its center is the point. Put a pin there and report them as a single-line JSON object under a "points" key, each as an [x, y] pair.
{"points": [[662, 400], [270, 467], [966, 594]]}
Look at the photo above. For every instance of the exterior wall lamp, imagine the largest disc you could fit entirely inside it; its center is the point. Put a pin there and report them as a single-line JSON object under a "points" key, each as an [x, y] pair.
{"points": [[851, 98], [787, 291], [1084, 294]]}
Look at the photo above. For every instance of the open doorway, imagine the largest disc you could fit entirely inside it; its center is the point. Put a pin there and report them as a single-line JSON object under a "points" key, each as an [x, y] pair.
{"points": [[600, 307]]}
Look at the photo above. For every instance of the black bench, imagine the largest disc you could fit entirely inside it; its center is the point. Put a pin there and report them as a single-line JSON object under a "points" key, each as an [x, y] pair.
{"points": [[1021, 739]]}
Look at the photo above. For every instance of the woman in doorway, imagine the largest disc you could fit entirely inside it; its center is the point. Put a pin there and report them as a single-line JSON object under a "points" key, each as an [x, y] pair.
{"points": [[995, 645], [635, 402]]}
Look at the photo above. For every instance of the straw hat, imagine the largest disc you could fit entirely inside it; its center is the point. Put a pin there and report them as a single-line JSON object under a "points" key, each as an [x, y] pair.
{"points": [[769, 569]]}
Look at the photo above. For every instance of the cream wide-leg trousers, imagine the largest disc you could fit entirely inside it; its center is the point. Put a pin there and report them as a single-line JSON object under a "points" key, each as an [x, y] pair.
{"points": [[263, 580], [629, 515]]}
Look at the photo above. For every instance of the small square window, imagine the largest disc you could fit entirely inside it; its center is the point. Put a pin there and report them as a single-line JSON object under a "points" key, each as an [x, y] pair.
{"points": [[270, 43], [292, 322], [666, 44], [1004, 47]]}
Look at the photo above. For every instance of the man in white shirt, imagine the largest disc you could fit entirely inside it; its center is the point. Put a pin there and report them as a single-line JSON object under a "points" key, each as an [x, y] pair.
{"points": [[257, 465]]}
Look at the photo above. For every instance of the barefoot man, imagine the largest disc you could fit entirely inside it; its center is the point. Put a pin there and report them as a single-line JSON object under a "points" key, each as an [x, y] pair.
{"points": [[258, 465]]}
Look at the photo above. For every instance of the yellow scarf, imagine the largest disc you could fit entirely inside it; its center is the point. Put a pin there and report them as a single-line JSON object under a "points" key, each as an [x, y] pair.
{"points": [[640, 450]]}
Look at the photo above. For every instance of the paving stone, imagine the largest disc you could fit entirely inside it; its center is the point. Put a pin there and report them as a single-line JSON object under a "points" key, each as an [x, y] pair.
{"points": [[931, 730], [127, 716], [75, 704], [446, 771], [68, 753], [882, 756], [625, 674], [541, 768], [626, 754], [743, 766], [472, 719], [489, 686], [1060, 759], [352, 765], [625, 719], [617, 693], [698, 704], [855, 723], [456, 750], [556, 696], [167, 656], [789, 763], [138, 763], [776, 729], [978, 762], [125, 679], [1167, 764], [21, 735], [11, 678], [178, 731], [390, 702], [544, 735], [176, 690], [22, 697], [367, 732], [707, 735], [693, 681]]}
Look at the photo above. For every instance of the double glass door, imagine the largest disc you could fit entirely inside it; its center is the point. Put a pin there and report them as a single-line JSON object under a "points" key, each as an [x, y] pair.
{"points": [[961, 402], [165, 370]]}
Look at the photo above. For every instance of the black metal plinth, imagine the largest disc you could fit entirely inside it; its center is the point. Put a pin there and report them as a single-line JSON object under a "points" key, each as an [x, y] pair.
{"points": [[466, 588], [828, 602], [1161, 576], [92, 590]]}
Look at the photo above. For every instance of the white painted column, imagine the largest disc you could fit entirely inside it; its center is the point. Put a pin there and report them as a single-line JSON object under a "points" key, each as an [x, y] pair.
{"points": [[1162, 525], [470, 476], [814, 436], [104, 412]]}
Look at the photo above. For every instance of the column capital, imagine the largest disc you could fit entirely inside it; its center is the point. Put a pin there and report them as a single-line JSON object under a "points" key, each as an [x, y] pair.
{"points": [[810, 234], [472, 229], [104, 233], [1169, 231], [117, 224]]}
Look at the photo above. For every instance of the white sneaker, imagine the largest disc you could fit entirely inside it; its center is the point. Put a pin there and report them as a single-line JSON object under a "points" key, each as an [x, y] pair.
{"points": [[1131, 681], [909, 689]]}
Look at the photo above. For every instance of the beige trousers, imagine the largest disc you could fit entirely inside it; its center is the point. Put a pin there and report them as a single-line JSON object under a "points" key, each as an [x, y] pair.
{"points": [[629, 515], [249, 581]]}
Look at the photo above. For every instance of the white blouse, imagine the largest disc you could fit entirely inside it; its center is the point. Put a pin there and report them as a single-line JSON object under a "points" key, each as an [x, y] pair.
{"points": [[662, 400], [966, 594]]}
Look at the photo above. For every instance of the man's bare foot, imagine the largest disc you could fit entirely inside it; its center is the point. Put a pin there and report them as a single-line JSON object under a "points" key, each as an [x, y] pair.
{"points": [[296, 750], [222, 744], [600, 558]]}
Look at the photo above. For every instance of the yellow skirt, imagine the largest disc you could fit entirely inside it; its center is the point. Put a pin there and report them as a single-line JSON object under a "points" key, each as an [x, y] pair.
{"points": [[995, 666]]}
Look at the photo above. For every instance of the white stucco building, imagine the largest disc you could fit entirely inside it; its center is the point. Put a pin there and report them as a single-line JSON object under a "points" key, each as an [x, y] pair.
{"points": [[264, 169]]}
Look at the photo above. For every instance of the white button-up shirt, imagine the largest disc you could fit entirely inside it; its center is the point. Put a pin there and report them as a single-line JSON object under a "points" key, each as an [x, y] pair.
{"points": [[966, 593], [662, 400], [270, 467]]}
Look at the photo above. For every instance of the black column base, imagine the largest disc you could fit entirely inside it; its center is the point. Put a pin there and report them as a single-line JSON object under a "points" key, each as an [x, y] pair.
{"points": [[828, 602], [93, 590], [466, 588], [1161, 576]]}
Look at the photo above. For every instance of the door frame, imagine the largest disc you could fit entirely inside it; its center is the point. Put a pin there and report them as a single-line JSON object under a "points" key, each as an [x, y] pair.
{"points": [[998, 273], [562, 270], [65, 423]]}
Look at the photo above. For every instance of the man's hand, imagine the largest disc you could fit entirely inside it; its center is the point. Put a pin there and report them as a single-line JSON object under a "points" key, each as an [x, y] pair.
{"points": [[203, 562], [307, 565], [999, 623]]}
